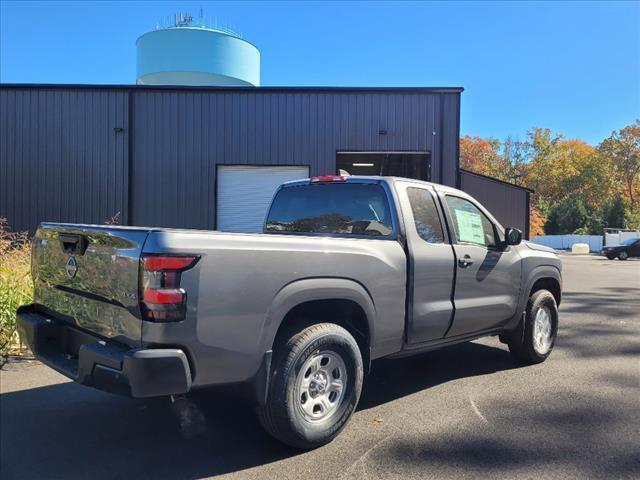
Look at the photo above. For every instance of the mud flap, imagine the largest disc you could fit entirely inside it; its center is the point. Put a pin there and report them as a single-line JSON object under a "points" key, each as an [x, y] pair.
{"points": [[260, 384]]}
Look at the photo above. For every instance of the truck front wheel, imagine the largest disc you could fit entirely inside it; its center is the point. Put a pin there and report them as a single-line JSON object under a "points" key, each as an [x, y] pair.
{"points": [[316, 380], [537, 334]]}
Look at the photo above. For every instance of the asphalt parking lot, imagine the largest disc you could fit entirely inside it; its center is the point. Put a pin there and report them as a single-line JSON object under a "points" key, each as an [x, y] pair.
{"points": [[467, 411]]}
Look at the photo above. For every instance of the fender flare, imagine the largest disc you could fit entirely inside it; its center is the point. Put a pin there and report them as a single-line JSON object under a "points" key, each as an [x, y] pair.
{"points": [[537, 273], [312, 289]]}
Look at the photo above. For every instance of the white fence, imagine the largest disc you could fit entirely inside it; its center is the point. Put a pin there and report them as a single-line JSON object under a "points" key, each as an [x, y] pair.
{"points": [[615, 238], [564, 242]]}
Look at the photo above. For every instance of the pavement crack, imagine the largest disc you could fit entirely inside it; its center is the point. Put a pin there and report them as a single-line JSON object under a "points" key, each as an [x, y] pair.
{"points": [[361, 458], [477, 410]]}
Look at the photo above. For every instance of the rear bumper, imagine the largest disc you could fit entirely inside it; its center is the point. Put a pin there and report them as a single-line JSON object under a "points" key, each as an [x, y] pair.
{"points": [[108, 366]]}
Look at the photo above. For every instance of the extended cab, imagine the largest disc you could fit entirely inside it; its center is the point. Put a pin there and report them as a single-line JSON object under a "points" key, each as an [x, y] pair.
{"points": [[347, 270]]}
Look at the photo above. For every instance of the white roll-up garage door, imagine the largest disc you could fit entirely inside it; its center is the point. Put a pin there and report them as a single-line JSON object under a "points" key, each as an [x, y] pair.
{"points": [[245, 193]]}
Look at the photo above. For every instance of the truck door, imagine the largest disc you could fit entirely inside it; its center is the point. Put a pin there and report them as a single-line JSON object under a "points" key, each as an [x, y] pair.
{"points": [[431, 265], [487, 273]]}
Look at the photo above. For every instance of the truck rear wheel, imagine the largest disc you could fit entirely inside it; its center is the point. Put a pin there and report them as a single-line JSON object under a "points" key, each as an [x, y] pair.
{"points": [[315, 386], [540, 325]]}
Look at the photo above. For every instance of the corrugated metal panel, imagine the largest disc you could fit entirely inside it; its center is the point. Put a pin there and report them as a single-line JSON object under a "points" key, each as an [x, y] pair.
{"points": [[450, 139], [245, 193], [62, 140], [60, 158], [181, 136], [508, 203]]}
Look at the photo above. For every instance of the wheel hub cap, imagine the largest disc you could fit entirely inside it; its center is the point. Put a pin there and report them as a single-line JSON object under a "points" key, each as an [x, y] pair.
{"points": [[542, 331], [320, 385]]}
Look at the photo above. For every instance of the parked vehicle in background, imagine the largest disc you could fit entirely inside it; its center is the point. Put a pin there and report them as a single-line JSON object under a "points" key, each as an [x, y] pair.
{"points": [[348, 270], [626, 249]]}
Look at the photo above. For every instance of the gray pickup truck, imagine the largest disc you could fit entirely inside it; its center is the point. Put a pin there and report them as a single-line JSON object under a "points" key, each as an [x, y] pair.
{"points": [[347, 270]]}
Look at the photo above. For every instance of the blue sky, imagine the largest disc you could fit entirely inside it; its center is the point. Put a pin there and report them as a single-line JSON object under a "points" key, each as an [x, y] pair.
{"points": [[572, 67]]}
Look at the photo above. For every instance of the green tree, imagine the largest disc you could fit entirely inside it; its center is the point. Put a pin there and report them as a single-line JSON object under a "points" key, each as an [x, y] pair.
{"points": [[613, 213], [541, 141], [571, 215], [517, 155], [622, 148], [632, 217]]}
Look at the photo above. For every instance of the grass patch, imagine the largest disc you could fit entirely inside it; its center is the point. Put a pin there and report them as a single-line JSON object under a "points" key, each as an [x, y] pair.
{"points": [[16, 287]]}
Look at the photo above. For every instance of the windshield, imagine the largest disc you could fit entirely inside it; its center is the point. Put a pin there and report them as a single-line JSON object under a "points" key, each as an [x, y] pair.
{"points": [[343, 209]]}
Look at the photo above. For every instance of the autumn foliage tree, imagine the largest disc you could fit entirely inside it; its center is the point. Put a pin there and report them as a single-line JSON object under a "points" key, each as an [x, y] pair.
{"points": [[622, 150], [481, 155], [571, 166], [577, 186], [536, 223]]}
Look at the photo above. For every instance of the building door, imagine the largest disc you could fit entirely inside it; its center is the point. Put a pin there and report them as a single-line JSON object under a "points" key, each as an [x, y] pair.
{"points": [[244, 194], [416, 165]]}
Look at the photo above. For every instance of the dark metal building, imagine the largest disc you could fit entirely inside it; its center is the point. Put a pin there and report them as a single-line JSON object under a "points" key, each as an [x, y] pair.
{"points": [[208, 157], [510, 203]]}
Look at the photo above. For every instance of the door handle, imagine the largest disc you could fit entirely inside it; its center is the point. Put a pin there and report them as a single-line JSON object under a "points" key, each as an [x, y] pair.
{"points": [[465, 261]]}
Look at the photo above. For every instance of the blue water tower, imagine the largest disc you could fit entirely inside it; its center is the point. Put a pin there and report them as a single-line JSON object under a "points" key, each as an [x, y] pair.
{"points": [[187, 52]]}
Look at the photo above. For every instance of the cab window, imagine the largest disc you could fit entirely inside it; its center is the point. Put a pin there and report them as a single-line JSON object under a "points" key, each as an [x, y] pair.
{"points": [[339, 209], [425, 215], [470, 225]]}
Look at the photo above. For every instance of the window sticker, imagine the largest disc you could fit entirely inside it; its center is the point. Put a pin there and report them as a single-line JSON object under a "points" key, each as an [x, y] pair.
{"points": [[469, 227]]}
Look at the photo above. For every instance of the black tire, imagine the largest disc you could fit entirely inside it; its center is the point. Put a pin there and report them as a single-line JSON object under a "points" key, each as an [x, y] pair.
{"points": [[611, 257], [623, 255], [522, 344], [282, 416]]}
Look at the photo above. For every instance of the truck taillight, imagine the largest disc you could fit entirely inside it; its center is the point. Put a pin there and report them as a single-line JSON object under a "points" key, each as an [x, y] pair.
{"points": [[328, 179], [162, 298]]}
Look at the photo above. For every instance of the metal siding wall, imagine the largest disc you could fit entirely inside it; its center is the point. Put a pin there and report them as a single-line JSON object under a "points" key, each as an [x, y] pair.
{"points": [[180, 137], [507, 203], [450, 138], [60, 159]]}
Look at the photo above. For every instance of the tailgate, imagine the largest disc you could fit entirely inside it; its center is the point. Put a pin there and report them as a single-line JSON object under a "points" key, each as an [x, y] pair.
{"points": [[88, 275]]}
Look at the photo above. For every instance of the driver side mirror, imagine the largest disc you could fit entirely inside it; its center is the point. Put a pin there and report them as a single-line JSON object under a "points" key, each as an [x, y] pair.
{"points": [[512, 236]]}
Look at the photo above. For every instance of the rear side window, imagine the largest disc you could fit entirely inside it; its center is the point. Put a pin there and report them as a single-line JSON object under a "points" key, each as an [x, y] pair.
{"points": [[344, 209], [425, 215]]}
